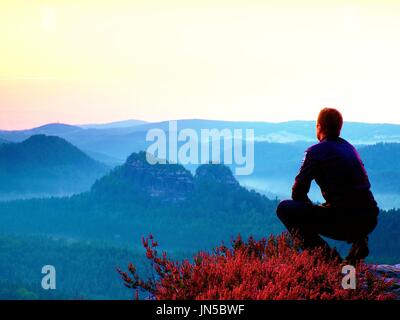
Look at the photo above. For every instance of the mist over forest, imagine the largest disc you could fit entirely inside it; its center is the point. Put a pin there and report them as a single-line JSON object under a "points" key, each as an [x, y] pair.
{"points": [[82, 197]]}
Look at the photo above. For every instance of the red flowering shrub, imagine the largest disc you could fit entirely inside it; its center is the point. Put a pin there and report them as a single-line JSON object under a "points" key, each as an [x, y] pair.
{"points": [[265, 269]]}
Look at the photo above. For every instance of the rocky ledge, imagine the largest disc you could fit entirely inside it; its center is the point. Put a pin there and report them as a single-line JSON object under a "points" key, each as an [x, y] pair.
{"points": [[390, 272]]}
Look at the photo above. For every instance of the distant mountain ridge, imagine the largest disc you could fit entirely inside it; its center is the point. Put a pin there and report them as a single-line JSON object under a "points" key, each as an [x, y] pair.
{"points": [[46, 164], [51, 129], [118, 141], [48, 128], [289, 131], [115, 124]]}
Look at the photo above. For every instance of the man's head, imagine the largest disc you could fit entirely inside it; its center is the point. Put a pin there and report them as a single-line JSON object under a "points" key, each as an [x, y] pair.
{"points": [[329, 123]]}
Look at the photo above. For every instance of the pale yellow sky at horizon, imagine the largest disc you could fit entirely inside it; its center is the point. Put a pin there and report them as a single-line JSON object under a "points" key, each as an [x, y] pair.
{"points": [[101, 61]]}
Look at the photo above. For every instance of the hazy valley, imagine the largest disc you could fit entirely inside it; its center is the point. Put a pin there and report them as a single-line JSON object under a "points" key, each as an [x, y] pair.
{"points": [[95, 196]]}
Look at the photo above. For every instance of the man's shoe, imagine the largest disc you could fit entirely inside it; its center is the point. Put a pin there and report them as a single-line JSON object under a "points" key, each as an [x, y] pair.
{"points": [[359, 251]]}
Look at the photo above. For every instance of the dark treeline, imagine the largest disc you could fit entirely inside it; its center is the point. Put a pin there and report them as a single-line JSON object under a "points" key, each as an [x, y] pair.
{"points": [[84, 270]]}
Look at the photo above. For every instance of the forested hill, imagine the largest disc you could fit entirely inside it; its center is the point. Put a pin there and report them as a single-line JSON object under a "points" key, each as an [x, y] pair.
{"points": [[46, 164], [135, 199]]}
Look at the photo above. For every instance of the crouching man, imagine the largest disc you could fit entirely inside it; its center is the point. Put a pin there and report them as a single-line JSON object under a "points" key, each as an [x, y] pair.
{"points": [[350, 211]]}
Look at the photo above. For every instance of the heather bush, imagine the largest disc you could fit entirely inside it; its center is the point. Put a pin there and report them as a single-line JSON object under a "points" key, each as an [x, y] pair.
{"points": [[273, 268]]}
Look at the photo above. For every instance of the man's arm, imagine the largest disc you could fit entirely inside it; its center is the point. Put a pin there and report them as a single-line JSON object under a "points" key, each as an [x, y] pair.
{"points": [[302, 182]]}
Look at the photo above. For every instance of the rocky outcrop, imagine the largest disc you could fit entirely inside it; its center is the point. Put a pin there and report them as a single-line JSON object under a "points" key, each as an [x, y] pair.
{"points": [[169, 182], [217, 174], [391, 273]]}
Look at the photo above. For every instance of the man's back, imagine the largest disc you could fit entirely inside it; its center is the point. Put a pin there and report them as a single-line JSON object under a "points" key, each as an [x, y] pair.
{"points": [[350, 212], [338, 170]]}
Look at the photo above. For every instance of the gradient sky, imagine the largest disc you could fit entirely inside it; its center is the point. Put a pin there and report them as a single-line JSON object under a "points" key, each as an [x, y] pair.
{"points": [[98, 61]]}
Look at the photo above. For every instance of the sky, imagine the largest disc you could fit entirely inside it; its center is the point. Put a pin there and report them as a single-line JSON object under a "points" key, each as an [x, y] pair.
{"points": [[86, 61]]}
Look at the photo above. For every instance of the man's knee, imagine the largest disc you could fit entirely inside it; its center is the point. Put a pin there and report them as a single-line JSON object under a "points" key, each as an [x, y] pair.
{"points": [[283, 208]]}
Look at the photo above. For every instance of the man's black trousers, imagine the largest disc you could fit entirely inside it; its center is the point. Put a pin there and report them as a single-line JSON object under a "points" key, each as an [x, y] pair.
{"points": [[308, 222]]}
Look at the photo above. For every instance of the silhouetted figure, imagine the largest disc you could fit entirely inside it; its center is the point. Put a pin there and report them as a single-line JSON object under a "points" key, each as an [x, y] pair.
{"points": [[350, 211]]}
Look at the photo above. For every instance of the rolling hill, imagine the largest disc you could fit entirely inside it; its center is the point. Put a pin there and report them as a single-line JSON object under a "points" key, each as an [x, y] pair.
{"points": [[46, 165]]}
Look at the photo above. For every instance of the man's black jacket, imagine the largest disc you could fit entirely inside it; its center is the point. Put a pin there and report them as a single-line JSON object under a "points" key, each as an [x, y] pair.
{"points": [[338, 170]]}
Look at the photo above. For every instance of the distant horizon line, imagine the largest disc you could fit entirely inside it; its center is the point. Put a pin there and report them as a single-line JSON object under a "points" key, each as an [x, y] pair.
{"points": [[145, 122]]}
